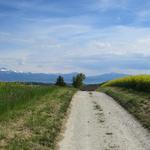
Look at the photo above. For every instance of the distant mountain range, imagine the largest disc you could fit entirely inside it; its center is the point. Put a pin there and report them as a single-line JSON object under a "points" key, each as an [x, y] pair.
{"points": [[103, 78], [11, 76]]}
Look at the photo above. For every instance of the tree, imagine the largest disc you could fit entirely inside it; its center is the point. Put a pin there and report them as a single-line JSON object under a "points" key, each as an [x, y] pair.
{"points": [[60, 81], [78, 80]]}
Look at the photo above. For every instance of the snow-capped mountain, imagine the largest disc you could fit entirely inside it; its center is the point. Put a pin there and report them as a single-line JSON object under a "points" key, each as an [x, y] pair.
{"points": [[4, 69], [11, 76]]}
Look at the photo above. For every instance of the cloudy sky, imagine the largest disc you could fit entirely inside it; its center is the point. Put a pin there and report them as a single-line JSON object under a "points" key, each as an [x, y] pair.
{"points": [[61, 36]]}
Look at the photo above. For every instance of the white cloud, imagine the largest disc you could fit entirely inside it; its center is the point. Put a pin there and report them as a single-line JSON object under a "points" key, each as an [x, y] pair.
{"points": [[57, 50], [75, 43]]}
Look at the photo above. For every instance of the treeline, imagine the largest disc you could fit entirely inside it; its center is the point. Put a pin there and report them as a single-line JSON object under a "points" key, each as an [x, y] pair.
{"points": [[77, 81]]}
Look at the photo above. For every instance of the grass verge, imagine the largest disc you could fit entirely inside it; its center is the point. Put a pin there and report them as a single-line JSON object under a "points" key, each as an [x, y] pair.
{"points": [[137, 103], [35, 118]]}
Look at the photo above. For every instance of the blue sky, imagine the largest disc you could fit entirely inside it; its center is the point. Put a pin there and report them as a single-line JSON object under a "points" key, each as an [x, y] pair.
{"points": [[61, 36]]}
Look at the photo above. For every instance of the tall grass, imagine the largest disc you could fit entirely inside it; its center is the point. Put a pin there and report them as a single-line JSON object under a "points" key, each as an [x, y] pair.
{"points": [[15, 95], [139, 83], [31, 116]]}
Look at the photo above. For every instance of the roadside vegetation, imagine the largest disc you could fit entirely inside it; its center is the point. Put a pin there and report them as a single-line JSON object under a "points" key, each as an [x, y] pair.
{"points": [[133, 93], [31, 115], [139, 83]]}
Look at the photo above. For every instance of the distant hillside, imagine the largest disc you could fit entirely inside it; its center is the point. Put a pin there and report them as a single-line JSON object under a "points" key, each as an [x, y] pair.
{"points": [[103, 78], [11, 76]]}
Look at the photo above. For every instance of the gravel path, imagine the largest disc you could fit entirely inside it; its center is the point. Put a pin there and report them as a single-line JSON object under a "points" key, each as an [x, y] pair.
{"points": [[97, 122]]}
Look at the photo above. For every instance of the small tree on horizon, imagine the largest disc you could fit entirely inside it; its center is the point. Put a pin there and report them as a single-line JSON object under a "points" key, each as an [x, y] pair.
{"points": [[60, 81], [78, 80]]}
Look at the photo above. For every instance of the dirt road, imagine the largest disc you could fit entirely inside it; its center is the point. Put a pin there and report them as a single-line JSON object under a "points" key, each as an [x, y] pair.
{"points": [[97, 122]]}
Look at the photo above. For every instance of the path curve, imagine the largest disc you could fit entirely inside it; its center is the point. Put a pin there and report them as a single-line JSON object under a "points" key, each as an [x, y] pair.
{"points": [[97, 122]]}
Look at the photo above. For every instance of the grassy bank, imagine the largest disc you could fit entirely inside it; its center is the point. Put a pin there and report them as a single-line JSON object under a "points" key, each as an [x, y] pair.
{"points": [[31, 116], [138, 83], [133, 94]]}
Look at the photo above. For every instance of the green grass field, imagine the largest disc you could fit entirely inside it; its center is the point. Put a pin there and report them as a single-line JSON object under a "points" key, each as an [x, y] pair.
{"points": [[31, 116], [133, 93]]}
